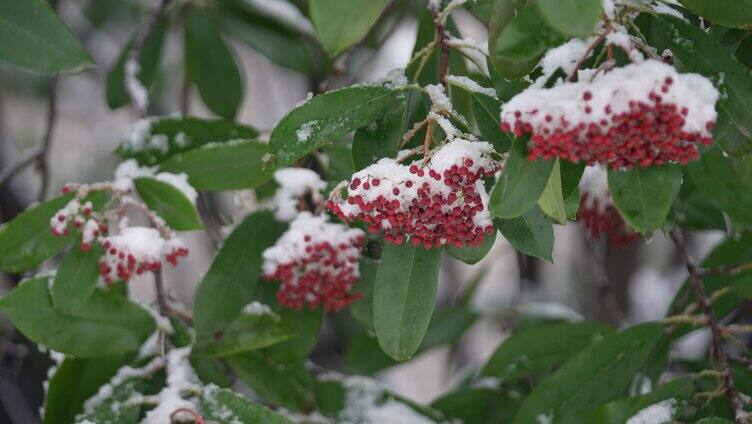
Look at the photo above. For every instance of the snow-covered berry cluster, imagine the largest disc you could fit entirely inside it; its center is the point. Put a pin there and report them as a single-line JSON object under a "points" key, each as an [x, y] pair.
{"points": [[77, 214], [641, 114], [135, 250], [316, 263], [442, 201], [597, 211]]}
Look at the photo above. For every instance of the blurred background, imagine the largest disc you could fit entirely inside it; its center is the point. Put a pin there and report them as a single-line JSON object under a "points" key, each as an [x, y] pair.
{"points": [[629, 285]]}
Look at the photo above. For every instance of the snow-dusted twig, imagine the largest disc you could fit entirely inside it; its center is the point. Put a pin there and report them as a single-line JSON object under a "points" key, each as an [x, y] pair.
{"points": [[717, 332]]}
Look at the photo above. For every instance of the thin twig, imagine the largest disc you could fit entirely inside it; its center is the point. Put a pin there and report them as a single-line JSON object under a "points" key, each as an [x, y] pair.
{"points": [[725, 270], [47, 140], [160, 291], [442, 38], [715, 328]]}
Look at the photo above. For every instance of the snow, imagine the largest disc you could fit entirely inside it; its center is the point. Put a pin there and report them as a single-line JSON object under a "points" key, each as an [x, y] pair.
{"points": [[658, 413], [144, 243], [136, 90], [470, 85], [668, 10], [257, 308], [476, 52], [179, 181], [293, 184], [395, 79], [367, 401], [129, 169], [181, 379], [123, 374], [304, 132], [441, 108], [594, 183], [616, 89], [284, 12], [138, 137], [565, 57], [291, 246], [220, 410]]}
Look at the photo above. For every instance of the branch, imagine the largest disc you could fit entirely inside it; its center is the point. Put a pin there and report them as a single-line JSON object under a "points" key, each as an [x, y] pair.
{"points": [[717, 332], [606, 293], [442, 38]]}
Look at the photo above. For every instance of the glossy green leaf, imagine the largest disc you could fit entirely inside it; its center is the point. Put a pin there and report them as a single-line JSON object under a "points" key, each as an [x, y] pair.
{"points": [[223, 166], [211, 65], [249, 331], [525, 38], [288, 385], [169, 202], [340, 25], [714, 420], [153, 140], [76, 277], [363, 309], [486, 112], [521, 184], [541, 349], [32, 36], [328, 117], [570, 18], [234, 274], [551, 201], [115, 90], [226, 406], [694, 210], [502, 15], [478, 405], [644, 196], [531, 233], [598, 374], [110, 322], [733, 13], [26, 241], [404, 297], [75, 381], [701, 53], [472, 255], [381, 138]]}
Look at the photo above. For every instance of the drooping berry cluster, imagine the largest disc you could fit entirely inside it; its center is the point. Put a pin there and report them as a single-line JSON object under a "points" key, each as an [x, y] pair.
{"points": [[441, 202], [77, 215], [597, 212], [639, 115], [316, 263], [135, 250]]}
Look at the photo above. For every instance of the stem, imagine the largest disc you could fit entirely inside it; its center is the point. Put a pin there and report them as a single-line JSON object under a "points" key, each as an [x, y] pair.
{"points": [[160, 290], [442, 38], [605, 290], [47, 140], [717, 333]]}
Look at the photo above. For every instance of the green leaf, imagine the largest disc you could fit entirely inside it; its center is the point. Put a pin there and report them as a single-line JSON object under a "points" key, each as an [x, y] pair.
{"points": [[26, 241], [234, 274], [169, 202], [279, 44], [598, 374], [404, 297], [733, 13], [363, 309], [381, 138], [478, 405], [226, 406], [153, 140], [110, 322], [718, 179], [115, 90], [542, 348], [551, 201], [340, 25], [714, 420], [486, 112], [701, 53], [472, 255], [211, 66], [694, 210], [76, 277], [644, 196], [223, 166], [570, 18], [502, 15], [521, 183], [32, 36], [249, 331], [531, 234], [447, 326], [287, 385], [326, 118], [75, 381]]}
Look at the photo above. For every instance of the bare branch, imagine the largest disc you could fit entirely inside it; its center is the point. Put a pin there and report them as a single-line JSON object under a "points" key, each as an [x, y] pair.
{"points": [[442, 38]]}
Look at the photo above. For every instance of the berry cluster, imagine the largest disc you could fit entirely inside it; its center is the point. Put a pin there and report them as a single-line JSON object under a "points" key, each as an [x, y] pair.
{"points": [[316, 263], [135, 250], [639, 115], [598, 213], [78, 216], [440, 202]]}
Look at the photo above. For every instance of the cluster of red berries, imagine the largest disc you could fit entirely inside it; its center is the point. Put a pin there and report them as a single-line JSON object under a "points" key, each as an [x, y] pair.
{"points": [[316, 263], [441, 202], [136, 250], [605, 221], [636, 116]]}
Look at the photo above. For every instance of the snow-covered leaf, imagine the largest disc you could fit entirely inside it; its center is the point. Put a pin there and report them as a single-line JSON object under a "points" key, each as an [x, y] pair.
{"points": [[541, 349], [211, 65], [34, 37], [659, 405], [169, 202], [644, 196], [326, 118], [340, 24], [153, 140], [598, 374], [404, 297], [234, 274], [225, 406], [110, 322]]}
